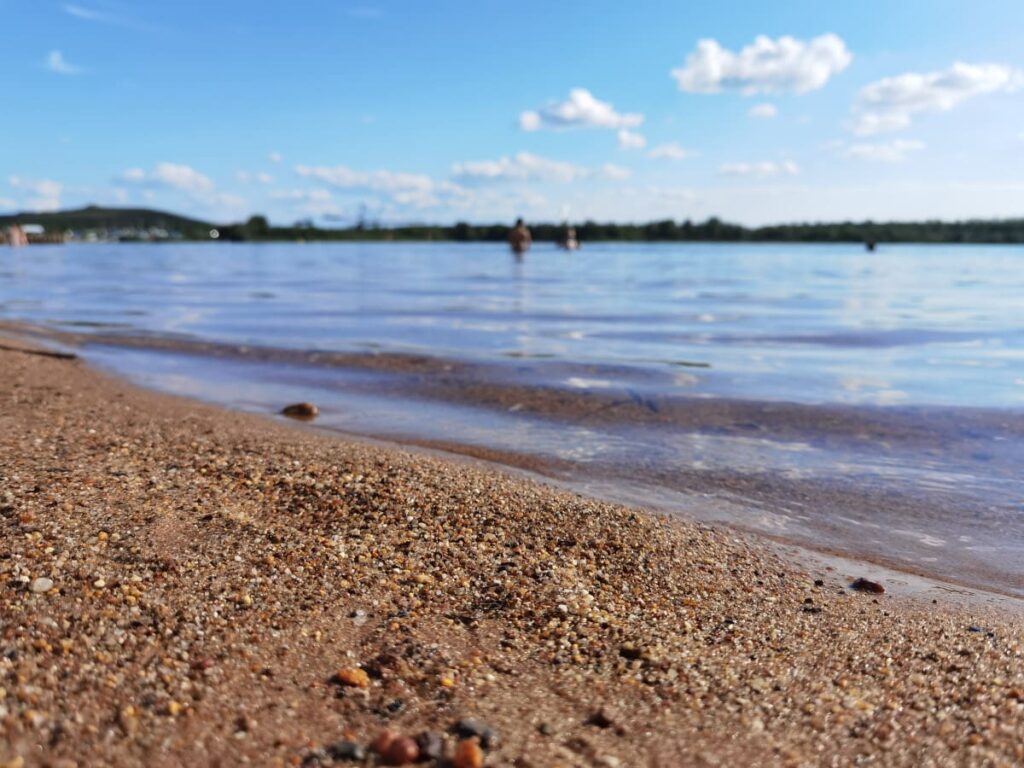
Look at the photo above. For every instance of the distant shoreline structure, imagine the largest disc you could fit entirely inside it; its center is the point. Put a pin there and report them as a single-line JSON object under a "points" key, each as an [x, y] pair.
{"points": [[100, 224]]}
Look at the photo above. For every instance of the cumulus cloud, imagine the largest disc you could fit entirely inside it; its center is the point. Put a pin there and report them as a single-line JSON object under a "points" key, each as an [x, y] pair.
{"points": [[275, 157], [763, 111], [631, 140], [523, 166], [891, 103], [580, 110], [763, 169], [670, 151], [55, 62], [45, 193], [170, 176], [764, 66], [884, 152]]}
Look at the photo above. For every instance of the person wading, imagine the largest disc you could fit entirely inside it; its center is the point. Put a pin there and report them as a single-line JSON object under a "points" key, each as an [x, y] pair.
{"points": [[519, 238]]}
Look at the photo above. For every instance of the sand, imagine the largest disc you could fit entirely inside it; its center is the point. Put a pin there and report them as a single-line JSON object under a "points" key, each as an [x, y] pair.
{"points": [[181, 586]]}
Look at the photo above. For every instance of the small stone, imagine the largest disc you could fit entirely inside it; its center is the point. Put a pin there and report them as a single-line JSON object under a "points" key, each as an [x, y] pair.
{"points": [[359, 617], [630, 651], [468, 728], [431, 745], [352, 676], [864, 585], [468, 754], [602, 718], [347, 750], [545, 729], [41, 585], [402, 751], [383, 741], [301, 411]]}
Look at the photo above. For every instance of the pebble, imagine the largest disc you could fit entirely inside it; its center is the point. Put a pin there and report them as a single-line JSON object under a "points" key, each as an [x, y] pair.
{"points": [[347, 750], [304, 411], [431, 745], [41, 585], [603, 718], [353, 676], [468, 754], [402, 751], [468, 728], [865, 585], [383, 741]]}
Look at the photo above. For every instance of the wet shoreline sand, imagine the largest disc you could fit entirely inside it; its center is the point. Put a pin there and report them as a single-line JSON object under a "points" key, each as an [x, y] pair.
{"points": [[925, 489], [181, 583]]}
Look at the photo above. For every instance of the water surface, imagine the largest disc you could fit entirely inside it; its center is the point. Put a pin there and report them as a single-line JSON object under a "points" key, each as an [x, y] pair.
{"points": [[868, 403]]}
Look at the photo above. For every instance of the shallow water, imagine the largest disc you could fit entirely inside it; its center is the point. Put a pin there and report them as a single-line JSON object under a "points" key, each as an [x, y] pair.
{"points": [[869, 403]]}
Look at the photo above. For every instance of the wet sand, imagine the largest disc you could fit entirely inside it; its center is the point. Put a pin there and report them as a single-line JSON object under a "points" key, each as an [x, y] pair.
{"points": [[932, 490], [182, 584]]}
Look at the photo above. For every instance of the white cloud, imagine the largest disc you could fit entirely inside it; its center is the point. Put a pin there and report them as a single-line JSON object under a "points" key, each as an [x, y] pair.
{"points": [[884, 152], [275, 157], [170, 175], [301, 194], [615, 172], [763, 169], [523, 166], [890, 104], [670, 151], [343, 177], [45, 193], [764, 111], [55, 62], [764, 66], [245, 177], [103, 16], [580, 110], [6, 204], [631, 140]]}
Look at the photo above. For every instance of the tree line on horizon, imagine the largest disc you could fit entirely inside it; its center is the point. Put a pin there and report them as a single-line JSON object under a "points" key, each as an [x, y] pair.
{"points": [[259, 229], [667, 230]]}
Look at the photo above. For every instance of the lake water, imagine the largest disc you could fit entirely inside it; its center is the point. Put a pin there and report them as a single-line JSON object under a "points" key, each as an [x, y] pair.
{"points": [[865, 403]]}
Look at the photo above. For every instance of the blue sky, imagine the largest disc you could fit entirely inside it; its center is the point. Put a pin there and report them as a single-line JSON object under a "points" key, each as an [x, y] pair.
{"points": [[441, 111]]}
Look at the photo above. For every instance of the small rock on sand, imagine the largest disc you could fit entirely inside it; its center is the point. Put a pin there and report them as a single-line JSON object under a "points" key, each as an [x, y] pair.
{"points": [[41, 585], [303, 411], [864, 585]]}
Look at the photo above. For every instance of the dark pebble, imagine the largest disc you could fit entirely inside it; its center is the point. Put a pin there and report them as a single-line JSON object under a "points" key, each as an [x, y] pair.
{"points": [[431, 745], [864, 585], [819, 582], [467, 728], [301, 411], [347, 750], [602, 718]]}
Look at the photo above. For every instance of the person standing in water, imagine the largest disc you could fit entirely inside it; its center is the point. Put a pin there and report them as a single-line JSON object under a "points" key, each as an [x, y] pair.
{"points": [[519, 238]]}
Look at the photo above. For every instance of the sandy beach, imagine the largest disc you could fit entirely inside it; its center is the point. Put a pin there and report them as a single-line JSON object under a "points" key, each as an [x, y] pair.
{"points": [[184, 585]]}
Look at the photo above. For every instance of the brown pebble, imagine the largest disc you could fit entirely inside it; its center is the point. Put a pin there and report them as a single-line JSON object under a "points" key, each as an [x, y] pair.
{"points": [[402, 751], [353, 676], [468, 754], [383, 742], [301, 411], [864, 585]]}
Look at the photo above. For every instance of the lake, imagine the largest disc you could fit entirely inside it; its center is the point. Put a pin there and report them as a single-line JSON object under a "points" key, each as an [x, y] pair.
{"points": [[870, 404]]}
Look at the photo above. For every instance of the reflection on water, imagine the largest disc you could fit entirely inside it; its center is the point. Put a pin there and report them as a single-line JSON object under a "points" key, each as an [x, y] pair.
{"points": [[867, 402], [816, 323]]}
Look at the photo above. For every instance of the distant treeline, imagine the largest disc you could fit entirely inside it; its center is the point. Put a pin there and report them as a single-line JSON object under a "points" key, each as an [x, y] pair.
{"points": [[713, 230], [123, 223]]}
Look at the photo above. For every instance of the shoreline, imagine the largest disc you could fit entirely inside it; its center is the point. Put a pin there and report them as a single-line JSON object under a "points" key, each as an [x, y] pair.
{"points": [[212, 570], [855, 513]]}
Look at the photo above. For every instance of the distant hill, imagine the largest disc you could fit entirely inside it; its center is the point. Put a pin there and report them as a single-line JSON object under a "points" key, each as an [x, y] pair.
{"points": [[96, 218]]}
